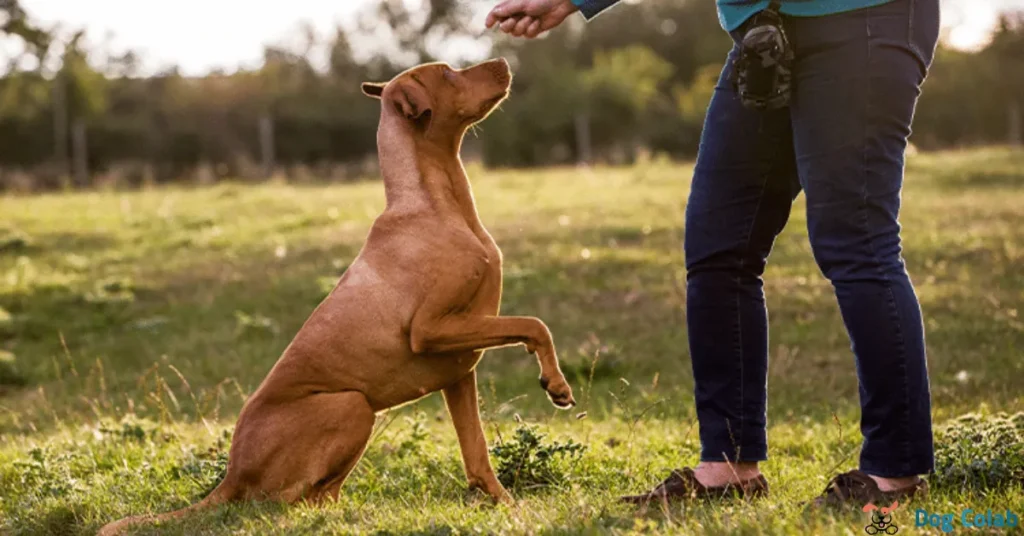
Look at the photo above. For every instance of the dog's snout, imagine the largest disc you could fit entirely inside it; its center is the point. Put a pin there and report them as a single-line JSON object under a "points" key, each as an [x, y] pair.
{"points": [[500, 69], [500, 63]]}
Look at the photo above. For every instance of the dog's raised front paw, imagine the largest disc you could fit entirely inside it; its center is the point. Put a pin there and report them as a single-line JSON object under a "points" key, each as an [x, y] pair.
{"points": [[558, 391]]}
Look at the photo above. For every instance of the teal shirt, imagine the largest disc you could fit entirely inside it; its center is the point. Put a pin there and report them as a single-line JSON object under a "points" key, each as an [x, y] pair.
{"points": [[733, 13]]}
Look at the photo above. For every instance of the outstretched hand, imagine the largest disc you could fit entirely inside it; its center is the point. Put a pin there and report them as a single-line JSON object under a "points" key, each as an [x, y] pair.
{"points": [[529, 18]]}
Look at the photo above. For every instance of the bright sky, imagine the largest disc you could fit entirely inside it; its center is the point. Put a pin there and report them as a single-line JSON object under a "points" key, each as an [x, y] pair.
{"points": [[199, 35], [969, 21]]}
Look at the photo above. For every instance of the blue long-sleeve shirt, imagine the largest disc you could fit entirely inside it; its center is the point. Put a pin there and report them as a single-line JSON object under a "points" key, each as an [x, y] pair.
{"points": [[733, 13]]}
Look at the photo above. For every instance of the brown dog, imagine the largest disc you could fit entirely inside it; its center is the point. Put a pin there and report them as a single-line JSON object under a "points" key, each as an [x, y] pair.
{"points": [[411, 316]]}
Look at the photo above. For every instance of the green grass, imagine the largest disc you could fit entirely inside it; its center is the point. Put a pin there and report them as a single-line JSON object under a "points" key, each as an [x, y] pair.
{"points": [[133, 325]]}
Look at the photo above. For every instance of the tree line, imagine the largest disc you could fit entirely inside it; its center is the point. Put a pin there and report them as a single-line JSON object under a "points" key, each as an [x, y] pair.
{"points": [[638, 79]]}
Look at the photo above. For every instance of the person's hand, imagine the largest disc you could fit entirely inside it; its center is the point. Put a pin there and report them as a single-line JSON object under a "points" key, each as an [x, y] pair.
{"points": [[529, 18]]}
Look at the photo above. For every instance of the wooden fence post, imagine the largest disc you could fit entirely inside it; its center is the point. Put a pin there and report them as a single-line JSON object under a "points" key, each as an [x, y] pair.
{"points": [[60, 125], [267, 145], [80, 153]]}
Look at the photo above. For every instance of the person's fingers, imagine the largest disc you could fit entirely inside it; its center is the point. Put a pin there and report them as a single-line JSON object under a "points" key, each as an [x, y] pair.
{"points": [[509, 24], [534, 29], [556, 17], [520, 18], [521, 26], [508, 8], [548, 23]]}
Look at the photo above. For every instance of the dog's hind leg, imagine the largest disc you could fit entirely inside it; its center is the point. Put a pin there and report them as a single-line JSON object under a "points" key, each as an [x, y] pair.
{"points": [[465, 412], [300, 449], [350, 439]]}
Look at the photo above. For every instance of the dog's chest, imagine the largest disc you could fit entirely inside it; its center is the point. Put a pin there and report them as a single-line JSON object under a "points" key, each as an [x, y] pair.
{"points": [[466, 266], [488, 269]]}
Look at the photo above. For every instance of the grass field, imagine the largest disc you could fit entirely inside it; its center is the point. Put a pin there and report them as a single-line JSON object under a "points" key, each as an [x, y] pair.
{"points": [[133, 325]]}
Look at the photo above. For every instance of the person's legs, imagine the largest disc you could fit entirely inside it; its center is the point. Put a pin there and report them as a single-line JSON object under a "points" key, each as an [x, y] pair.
{"points": [[858, 78], [743, 189]]}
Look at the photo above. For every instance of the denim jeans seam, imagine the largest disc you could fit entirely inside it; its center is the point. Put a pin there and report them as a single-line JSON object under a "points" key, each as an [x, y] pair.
{"points": [[919, 54], [739, 316], [738, 439], [893, 309]]}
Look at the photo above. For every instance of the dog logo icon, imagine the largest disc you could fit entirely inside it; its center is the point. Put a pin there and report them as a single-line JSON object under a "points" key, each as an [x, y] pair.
{"points": [[881, 519]]}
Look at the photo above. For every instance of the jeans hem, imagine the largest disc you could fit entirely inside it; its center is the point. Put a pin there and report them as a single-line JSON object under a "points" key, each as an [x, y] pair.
{"points": [[898, 470], [731, 456]]}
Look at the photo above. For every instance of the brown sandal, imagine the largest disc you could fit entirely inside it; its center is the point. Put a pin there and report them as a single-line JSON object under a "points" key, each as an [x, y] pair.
{"points": [[857, 489], [682, 485]]}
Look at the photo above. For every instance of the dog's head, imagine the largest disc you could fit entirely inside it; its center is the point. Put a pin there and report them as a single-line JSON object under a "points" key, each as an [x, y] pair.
{"points": [[436, 97]]}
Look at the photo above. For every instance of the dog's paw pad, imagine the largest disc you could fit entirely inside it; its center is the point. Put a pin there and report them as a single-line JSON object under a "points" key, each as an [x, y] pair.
{"points": [[559, 392], [563, 402]]}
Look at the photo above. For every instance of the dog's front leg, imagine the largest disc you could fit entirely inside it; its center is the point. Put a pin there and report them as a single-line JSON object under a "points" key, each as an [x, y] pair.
{"points": [[464, 333], [462, 406]]}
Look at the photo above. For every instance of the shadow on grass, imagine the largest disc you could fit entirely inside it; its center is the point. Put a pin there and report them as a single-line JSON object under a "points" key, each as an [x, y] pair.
{"points": [[62, 520], [82, 243]]}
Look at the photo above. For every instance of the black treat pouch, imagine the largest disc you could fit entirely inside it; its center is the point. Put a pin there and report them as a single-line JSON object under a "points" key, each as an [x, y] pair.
{"points": [[763, 71]]}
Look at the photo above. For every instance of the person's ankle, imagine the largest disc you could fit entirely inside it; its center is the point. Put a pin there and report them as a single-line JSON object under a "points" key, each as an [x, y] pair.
{"points": [[893, 484], [716, 474]]}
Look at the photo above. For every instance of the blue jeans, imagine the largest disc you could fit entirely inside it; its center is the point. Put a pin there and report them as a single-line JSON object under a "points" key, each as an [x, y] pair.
{"points": [[842, 141]]}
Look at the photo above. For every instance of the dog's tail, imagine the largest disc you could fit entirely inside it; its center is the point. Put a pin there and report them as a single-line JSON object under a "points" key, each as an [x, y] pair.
{"points": [[220, 495]]}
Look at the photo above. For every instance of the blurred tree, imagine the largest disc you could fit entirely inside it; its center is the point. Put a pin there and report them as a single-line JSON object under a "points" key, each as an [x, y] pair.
{"points": [[86, 87], [693, 100], [623, 85], [25, 98], [406, 35], [14, 21], [1007, 60], [640, 75], [950, 112], [81, 97]]}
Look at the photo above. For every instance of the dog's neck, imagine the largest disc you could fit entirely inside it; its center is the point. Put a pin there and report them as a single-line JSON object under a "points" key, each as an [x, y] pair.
{"points": [[423, 170]]}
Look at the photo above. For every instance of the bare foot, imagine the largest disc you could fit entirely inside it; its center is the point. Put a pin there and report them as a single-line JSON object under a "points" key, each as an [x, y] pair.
{"points": [[893, 484], [717, 474]]}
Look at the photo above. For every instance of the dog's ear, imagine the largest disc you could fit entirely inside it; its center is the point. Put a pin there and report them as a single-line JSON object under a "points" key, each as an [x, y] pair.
{"points": [[412, 101], [374, 90]]}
